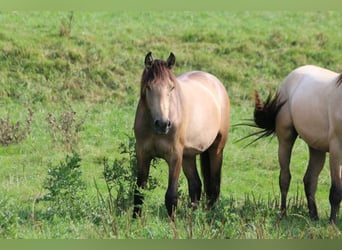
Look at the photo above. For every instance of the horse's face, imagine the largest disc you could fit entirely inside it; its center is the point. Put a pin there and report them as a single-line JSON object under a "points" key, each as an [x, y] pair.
{"points": [[159, 91], [158, 98]]}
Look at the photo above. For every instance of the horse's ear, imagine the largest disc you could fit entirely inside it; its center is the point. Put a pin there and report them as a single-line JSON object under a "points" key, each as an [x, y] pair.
{"points": [[148, 60], [171, 61]]}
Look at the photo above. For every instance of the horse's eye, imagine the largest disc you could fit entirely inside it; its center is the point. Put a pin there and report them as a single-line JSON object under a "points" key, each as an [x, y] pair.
{"points": [[172, 88]]}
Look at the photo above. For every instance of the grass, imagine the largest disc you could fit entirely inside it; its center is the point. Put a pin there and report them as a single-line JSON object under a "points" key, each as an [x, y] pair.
{"points": [[90, 63]]}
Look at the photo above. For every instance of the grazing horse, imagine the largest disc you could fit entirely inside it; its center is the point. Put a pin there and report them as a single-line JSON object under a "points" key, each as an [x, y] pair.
{"points": [[309, 104], [176, 119]]}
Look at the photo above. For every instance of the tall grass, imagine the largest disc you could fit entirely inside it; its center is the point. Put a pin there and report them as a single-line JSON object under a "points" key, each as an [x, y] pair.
{"points": [[79, 73]]}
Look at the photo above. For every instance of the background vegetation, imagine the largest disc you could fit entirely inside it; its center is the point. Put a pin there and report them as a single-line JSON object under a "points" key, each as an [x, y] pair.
{"points": [[69, 85]]}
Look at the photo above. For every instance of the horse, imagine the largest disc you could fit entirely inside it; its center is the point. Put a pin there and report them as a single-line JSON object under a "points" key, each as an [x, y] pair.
{"points": [[307, 104], [178, 118]]}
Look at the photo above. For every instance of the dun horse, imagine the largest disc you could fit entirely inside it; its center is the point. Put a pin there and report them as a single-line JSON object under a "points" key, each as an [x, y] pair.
{"points": [[308, 104], [176, 119]]}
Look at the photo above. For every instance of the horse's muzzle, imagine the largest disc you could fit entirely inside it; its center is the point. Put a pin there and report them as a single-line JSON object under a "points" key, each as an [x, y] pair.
{"points": [[162, 127]]}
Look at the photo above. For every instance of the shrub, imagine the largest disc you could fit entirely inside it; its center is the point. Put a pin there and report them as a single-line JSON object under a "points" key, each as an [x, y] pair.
{"points": [[120, 182], [14, 132], [65, 129], [65, 188]]}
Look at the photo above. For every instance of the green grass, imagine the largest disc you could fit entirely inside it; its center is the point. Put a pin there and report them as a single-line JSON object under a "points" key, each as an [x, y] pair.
{"points": [[94, 69]]}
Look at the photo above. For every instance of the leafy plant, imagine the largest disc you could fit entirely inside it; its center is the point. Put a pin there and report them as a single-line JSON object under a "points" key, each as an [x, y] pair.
{"points": [[7, 217], [65, 187], [120, 181]]}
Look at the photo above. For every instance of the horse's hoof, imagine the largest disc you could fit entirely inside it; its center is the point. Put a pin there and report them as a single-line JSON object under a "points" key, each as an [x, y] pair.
{"points": [[281, 215], [314, 218], [332, 222], [194, 205]]}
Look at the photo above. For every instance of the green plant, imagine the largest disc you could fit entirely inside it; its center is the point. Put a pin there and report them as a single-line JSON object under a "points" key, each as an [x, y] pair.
{"points": [[66, 25], [7, 217], [65, 187], [119, 178], [120, 182]]}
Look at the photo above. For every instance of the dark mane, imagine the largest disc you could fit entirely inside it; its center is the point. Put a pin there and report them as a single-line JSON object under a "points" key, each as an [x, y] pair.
{"points": [[157, 73], [339, 80]]}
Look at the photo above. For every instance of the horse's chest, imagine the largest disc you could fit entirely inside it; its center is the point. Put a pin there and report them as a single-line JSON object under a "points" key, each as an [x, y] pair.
{"points": [[162, 146]]}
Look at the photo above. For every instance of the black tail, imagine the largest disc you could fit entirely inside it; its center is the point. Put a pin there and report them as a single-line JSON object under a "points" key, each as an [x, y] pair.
{"points": [[265, 114]]}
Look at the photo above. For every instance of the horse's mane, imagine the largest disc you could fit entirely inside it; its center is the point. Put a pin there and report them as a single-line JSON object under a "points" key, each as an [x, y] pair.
{"points": [[157, 72], [339, 80]]}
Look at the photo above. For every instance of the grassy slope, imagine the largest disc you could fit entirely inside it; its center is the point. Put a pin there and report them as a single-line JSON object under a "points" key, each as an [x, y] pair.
{"points": [[97, 69]]}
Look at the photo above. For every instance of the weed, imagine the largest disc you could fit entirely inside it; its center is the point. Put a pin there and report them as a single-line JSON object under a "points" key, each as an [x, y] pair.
{"points": [[7, 217], [120, 178], [65, 129], [120, 181], [66, 25], [13, 132], [65, 188]]}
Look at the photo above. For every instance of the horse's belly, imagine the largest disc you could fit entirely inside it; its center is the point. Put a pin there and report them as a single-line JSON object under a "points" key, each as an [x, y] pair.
{"points": [[315, 141], [202, 129], [207, 111], [199, 141]]}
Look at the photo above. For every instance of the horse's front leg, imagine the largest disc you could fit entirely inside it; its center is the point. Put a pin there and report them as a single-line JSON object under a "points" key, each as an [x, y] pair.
{"points": [[171, 196], [143, 169]]}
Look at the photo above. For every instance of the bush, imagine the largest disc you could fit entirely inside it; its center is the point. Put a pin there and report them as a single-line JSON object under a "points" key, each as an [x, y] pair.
{"points": [[13, 132], [65, 129], [66, 188]]}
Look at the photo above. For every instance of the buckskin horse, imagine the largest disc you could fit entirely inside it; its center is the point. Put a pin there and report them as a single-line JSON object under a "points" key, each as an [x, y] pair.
{"points": [[177, 118], [309, 104]]}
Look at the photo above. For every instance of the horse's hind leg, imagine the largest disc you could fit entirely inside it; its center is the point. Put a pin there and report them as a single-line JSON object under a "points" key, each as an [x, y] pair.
{"points": [[211, 164], [316, 163], [335, 195], [194, 182], [286, 139]]}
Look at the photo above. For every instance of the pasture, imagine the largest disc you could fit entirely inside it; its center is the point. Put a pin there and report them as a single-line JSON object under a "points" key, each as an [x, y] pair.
{"points": [[66, 167]]}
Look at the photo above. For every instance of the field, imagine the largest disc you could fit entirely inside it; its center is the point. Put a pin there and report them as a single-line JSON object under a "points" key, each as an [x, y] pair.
{"points": [[71, 81]]}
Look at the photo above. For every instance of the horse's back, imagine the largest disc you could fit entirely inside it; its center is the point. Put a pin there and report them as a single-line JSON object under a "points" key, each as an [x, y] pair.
{"points": [[207, 108], [308, 91], [306, 79], [206, 88], [200, 79]]}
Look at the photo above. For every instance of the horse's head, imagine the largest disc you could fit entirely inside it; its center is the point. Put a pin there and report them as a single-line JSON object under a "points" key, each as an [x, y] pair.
{"points": [[157, 87]]}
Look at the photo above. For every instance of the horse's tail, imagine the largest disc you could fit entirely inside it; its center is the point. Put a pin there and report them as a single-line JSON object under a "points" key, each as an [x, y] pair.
{"points": [[265, 113], [264, 118]]}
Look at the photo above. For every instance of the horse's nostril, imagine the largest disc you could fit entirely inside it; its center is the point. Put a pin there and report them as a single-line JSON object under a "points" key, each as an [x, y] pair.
{"points": [[157, 123], [162, 126]]}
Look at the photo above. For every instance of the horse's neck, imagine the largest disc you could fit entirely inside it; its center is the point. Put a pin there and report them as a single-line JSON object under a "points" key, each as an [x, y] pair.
{"points": [[178, 101]]}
